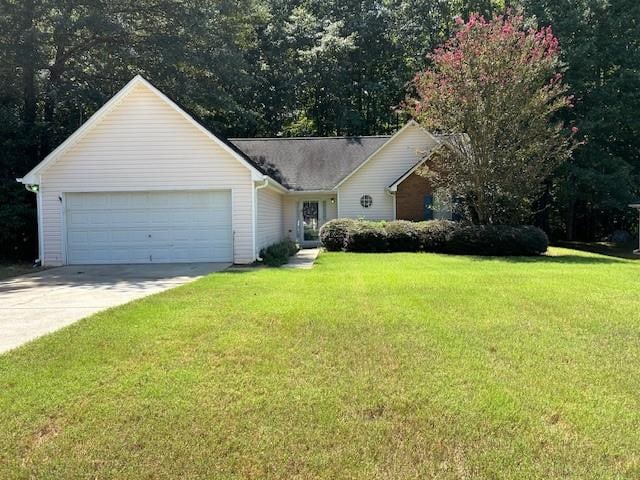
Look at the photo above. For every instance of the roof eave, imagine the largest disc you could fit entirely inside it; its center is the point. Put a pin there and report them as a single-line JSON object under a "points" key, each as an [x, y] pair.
{"points": [[394, 186], [410, 123], [33, 178]]}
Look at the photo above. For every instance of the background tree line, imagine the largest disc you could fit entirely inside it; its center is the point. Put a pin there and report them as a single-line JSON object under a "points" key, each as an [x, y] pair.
{"points": [[303, 67]]}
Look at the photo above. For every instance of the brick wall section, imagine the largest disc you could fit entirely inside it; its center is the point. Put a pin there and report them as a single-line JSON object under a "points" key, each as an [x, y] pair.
{"points": [[410, 197]]}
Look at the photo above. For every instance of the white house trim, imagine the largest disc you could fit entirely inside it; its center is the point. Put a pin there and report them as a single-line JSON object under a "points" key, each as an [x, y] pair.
{"points": [[394, 186], [410, 123], [31, 177]]}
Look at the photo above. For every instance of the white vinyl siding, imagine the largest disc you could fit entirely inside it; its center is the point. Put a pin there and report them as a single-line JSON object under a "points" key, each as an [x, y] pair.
{"points": [[143, 144], [269, 222], [393, 160]]}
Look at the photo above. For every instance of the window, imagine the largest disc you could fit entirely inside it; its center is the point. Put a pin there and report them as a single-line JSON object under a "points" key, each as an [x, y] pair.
{"points": [[366, 201]]}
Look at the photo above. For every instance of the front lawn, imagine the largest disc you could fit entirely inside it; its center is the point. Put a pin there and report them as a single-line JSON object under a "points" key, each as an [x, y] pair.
{"points": [[368, 366]]}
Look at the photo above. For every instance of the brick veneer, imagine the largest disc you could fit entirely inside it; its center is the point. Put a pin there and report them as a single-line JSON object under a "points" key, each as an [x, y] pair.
{"points": [[410, 197]]}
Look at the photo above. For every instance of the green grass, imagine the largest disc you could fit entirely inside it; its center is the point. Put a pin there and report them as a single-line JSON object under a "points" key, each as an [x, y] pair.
{"points": [[368, 366], [12, 269]]}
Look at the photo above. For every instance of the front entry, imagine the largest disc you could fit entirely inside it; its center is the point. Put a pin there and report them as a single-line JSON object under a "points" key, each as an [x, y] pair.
{"points": [[310, 222]]}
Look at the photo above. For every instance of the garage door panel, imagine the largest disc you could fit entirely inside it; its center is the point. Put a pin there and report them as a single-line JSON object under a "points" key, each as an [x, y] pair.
{"points": [[149, 227]]}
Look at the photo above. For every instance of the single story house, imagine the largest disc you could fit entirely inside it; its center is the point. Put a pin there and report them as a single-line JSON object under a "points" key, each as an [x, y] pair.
{"points": [[143, 182]]}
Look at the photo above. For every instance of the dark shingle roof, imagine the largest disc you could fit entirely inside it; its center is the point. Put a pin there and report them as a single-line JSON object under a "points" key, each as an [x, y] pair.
{"points": [[309, 163]]}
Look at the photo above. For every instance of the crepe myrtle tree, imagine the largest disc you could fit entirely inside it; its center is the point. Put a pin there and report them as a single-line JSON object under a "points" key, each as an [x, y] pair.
{"points": [[497, 86]]}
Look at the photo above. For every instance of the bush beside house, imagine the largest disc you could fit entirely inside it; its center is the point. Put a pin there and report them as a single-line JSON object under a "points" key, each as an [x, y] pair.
{"points": [[439, 236], [367, 237], [403, 236], [278, 254], [333, 234]]}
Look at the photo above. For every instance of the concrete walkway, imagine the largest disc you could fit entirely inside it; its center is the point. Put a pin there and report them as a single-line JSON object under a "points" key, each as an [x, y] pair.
{"points": [[40, 303], [303, 259]]}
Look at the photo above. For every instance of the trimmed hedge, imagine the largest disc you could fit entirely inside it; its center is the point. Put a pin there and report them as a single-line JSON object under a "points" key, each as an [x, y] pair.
{"points": [[367, 237], [440, 236], [435, 235], [403, 236], [278, 254], [501, 240], [333, 234]]}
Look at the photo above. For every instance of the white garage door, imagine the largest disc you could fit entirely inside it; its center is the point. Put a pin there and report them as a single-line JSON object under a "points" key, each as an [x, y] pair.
{"points": [[149, 227]]}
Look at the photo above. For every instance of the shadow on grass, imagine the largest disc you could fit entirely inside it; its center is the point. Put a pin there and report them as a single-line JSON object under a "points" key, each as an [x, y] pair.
{"points": [[555, 259], [617, 250]]}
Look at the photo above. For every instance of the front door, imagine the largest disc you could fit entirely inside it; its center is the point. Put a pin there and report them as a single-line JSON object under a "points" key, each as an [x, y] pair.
{"points": [[310, 222]]}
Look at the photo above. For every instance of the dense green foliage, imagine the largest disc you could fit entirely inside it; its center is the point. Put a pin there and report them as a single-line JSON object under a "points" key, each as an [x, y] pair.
{"points": [[435, 235], [394, 366], [316, 67], [403, 236], [600, 43], [365, 236], [440, 236], [501, 240], [278, 254], [333, 234], [496, 88]]}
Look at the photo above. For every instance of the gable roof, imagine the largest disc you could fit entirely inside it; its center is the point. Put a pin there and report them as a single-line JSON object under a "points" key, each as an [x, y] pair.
{"points": [[32, 176], [410, 123], [310, 163], [443, 141]]}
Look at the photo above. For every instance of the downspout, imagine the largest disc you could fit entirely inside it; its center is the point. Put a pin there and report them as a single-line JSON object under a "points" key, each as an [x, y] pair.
{"points": [[265, 182], [392, 194]]}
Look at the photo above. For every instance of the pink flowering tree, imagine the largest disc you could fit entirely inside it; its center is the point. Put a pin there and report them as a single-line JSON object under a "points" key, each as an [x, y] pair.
{"points": [[497, 86]]}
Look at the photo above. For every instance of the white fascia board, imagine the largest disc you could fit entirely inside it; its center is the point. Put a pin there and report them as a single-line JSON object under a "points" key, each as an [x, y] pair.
{"points": [[30, 178], [394, 186], [312, 192], [410, 123]]}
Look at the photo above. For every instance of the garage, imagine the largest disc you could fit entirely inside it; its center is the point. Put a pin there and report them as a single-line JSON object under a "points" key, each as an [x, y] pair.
{"points": [[148, 227]]}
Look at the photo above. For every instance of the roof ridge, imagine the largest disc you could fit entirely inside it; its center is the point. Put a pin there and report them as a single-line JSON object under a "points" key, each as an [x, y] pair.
{"points": [[307, 138]]}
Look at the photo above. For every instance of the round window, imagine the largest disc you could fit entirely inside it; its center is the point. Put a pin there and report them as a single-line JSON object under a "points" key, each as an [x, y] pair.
{"points": [[366, 201]]}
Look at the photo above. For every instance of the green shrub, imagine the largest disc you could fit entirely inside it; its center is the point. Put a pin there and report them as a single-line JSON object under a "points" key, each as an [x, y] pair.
{"points": [[503, 240], [278, 254], [435, 234], [333, 234], [440, 236], [367, 236], [403, 236], [532, 240]]}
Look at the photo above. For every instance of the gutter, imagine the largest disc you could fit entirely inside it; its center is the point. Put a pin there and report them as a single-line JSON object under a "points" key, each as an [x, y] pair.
{"points": [[392, 193], [265, 183]]}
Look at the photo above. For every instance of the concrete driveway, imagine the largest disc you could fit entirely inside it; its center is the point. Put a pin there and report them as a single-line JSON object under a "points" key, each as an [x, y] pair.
{"points": [[39, 303]]}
